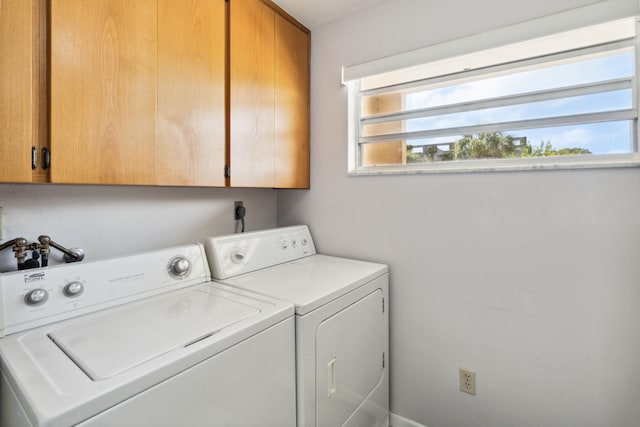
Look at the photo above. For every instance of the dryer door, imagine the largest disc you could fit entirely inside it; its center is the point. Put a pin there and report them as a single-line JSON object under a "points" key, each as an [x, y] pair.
{"points": [[349, 356]]}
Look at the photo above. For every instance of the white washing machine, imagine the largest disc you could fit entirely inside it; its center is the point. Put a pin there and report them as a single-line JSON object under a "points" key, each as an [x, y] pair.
{"points": [[144, 340], [341, 320]]}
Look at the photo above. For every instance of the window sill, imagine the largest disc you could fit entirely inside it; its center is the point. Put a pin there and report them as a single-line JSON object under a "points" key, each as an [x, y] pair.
{"points": [[504, 165]]}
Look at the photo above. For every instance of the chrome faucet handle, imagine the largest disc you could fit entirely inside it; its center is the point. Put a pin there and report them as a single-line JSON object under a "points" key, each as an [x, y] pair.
{"points": [[18, 241], [70, 255]]}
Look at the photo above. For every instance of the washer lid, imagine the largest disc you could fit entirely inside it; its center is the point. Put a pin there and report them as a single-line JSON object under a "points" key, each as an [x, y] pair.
{"points": [[115, 341], [309, 282]]}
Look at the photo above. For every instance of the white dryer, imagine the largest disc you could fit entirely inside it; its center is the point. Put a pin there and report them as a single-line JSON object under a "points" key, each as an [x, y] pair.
{"points": [[144, 340], [341, 320]]}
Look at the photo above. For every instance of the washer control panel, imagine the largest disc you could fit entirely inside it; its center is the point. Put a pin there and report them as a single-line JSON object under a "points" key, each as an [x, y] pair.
{"points": [[236, 254], [31, 298]]}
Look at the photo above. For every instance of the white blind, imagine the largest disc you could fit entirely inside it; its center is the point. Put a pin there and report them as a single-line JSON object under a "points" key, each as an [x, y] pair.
{"points": [[606, 10]]}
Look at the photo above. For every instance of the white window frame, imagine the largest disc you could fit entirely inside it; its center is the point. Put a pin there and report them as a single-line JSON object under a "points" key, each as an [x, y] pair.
{"points": [[589, 15]]}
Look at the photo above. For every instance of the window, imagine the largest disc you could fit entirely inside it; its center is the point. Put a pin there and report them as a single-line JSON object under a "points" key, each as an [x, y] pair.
{"points": [[568, 99]]}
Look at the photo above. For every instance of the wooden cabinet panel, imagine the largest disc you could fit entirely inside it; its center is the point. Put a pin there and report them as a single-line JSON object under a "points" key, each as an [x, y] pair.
{"points": [[252, 94], [269, 97], [291, 105], [22, 89], [103, 91], [155, 92], [191, 92]]}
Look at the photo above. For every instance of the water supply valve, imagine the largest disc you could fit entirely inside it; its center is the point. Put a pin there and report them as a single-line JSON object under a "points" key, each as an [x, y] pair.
{"points": [[39, 252], [19, 246], [70, 255]]}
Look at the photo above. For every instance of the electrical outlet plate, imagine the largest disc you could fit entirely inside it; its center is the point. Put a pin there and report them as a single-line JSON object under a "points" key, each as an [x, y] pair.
{"points": [[467, 381], [237, 205]]}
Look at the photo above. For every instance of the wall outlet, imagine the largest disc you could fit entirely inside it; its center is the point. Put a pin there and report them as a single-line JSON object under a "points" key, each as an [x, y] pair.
{"points": [[467, 381], [238, 210]]}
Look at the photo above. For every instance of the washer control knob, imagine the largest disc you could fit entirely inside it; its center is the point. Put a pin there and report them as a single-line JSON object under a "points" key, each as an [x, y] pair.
{"points": [[179, 266], [304, 241], [36, 296], [73, 289], [237, 256]]}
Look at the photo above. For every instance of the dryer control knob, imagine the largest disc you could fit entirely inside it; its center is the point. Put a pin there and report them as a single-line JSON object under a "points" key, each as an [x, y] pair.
{"points": [[179, 266], [237, 256], [36, 296], [73, 289]]}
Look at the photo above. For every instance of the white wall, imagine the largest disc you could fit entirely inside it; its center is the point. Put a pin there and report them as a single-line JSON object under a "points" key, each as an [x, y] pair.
{"points": [[109, 221], [530, 278]]}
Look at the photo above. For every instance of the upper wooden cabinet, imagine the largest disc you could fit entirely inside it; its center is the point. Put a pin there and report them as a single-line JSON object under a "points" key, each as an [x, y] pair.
{"points": [[23, 109], [269, 97], [291, 105], [137, 92], [154, 92], [191, 92], [252, 93], [103, 91]]}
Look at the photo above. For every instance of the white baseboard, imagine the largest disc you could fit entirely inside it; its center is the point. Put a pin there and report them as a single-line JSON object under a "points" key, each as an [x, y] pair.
{"points": [[398, 421]]}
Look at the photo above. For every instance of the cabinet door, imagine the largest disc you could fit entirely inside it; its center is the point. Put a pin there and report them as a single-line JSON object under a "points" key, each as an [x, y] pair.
{"points": [[191, 92], [103, 91], [252, 95], [292, 105], [22, 89]]}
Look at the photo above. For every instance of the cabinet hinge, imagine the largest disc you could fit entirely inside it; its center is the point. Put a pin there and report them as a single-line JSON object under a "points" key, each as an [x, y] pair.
{"points": [[383, 360], [227, 171], [383, 305], [34, 158]]}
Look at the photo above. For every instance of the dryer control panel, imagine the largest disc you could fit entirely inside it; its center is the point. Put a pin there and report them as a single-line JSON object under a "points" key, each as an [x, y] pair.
{"points": [[241, 253]]}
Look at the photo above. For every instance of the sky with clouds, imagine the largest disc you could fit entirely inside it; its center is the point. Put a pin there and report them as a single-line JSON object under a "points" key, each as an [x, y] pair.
{"points": [[599, 138]]}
